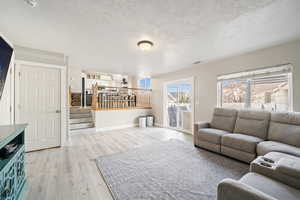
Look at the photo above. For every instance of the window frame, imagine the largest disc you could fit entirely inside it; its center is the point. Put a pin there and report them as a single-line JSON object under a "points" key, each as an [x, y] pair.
{"points": [[249, 80], [145, 85]]}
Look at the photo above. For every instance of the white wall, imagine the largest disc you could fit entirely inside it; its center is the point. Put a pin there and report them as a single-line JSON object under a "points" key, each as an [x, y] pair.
{"points": [[206, 77], [116, 119], [41, 56], [75, 75]]}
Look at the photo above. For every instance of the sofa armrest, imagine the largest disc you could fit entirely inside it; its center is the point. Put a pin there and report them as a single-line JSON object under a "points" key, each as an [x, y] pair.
{"points": [[230, 189], [289, 167], [202, 124]]}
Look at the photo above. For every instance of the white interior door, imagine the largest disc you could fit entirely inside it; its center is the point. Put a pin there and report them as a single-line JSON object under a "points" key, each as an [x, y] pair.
{"points": [[38, 103]]}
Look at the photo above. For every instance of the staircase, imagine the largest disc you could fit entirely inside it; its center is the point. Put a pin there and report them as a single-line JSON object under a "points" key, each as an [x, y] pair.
{"points": [[81, 119]]}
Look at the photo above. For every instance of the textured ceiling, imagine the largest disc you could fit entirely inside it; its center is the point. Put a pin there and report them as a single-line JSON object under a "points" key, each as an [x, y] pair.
{"points": [[102, 34]]}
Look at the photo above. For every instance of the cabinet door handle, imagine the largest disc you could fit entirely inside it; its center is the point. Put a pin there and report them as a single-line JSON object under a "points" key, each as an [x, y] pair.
{"points": [[58, 111]]}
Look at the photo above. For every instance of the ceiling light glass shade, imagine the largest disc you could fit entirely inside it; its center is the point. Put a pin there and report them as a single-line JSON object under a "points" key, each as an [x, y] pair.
{"points": [[32, 3], [145, 45]]}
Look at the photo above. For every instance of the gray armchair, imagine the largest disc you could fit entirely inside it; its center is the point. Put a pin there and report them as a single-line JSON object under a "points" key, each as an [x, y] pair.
{"points": [[230, 189], [254, 186]]}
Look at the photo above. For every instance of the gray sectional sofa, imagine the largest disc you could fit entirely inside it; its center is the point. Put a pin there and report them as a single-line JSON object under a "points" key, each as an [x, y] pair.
{"points": [[269, 140], [244, 134], [283, 134]]}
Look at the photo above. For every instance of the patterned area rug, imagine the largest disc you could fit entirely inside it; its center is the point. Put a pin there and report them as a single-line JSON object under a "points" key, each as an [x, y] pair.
{"points": [[171, 170]]}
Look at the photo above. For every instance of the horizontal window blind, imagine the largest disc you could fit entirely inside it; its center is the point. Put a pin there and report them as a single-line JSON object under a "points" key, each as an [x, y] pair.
{"points": [[259, 73], [270, 79]]}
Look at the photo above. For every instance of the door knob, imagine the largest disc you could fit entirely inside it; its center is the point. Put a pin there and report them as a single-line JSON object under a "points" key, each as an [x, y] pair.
{"points": [[57, 111]]}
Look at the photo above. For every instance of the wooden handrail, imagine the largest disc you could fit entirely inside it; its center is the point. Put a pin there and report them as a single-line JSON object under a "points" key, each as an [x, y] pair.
{"points": [[102, 86]]}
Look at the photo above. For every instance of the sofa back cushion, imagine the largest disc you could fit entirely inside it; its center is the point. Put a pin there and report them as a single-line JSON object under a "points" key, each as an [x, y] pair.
{"points": [[285, 128], [224, 119], [253, 123]]}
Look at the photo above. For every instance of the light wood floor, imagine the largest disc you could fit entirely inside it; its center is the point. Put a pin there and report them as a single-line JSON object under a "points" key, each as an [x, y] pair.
{"points": [[70, 173]]}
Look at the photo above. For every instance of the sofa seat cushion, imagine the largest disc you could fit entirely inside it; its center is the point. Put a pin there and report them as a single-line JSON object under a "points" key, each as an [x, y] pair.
{"points": [[269, 146], [211, 135], [289, 167], [271, 187], [241, 142], [238, 154]]}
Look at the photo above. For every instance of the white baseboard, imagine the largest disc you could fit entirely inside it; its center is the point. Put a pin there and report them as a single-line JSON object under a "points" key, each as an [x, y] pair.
{"points": [[82, 131], [110, 128], [158, 125], [184, 131]]}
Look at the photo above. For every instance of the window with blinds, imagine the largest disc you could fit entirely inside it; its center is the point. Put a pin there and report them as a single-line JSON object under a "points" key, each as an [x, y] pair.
{"points": [[266, 89]]}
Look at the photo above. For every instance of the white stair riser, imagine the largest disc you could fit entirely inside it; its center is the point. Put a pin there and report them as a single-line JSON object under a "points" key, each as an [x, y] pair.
{"points": [[81, 120], [79, 111], [84, 115]]}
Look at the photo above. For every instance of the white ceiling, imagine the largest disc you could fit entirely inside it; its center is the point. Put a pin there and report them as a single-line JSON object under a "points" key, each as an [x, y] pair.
{"points": [[102, 34]]}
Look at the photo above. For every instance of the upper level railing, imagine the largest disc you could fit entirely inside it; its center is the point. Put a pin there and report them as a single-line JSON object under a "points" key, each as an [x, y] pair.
{"points": [[115, 98]]}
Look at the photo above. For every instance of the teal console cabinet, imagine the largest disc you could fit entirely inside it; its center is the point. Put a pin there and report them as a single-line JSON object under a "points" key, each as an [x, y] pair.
{"points": [[13, 185]]}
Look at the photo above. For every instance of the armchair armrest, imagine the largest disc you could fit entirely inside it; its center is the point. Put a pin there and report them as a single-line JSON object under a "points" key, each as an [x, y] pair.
{"points": [[230, 189], [202, 124], [197, 126]]}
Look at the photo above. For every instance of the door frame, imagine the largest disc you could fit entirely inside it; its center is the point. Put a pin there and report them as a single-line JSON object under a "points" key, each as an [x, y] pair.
{"points": [[165, 97], [7, 109], [63, 93]]}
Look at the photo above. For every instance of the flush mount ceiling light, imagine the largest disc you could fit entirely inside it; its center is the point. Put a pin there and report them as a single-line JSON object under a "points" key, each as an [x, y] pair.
{"points": [[145, 45], [32, 3]]}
